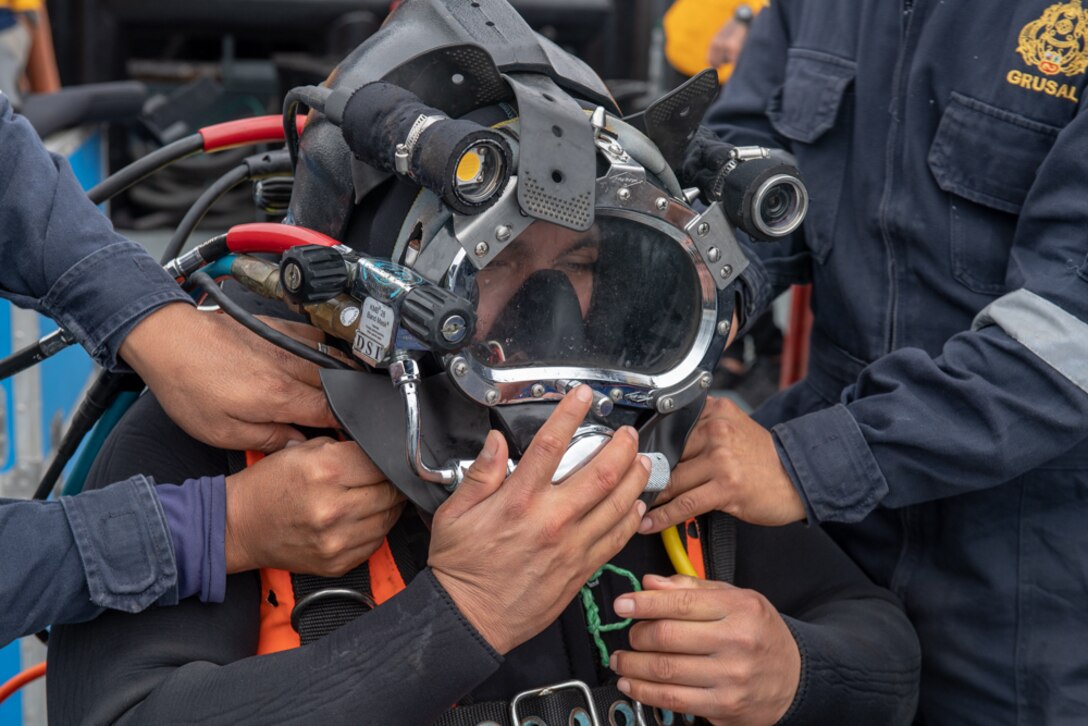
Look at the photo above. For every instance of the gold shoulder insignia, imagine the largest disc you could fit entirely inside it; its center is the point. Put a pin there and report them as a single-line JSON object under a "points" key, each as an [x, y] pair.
{"points": [[1058, 41]]}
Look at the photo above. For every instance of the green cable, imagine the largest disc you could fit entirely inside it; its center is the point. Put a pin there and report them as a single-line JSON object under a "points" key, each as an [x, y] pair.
{"points": [[593, 612]]}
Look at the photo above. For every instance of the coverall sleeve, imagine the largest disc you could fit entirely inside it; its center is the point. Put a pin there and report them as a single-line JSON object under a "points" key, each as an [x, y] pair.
{"points": [[124, 548], [65, 561], [1000, 400], [61, 257], [860, 658]]}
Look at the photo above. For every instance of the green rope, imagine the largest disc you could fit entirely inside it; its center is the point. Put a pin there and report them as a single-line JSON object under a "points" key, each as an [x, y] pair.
{"points": [[593, 612]]}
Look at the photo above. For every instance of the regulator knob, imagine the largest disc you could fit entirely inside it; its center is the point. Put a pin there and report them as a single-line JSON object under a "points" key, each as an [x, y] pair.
{"points": [[443, 321], [313, 273]]}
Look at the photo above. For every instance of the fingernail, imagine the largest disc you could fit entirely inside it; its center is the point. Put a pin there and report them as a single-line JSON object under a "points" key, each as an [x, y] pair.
{"points": [[612, 660], [624, 606], [491, 446], [583, 393], [640, 507], [655, 579], [624, 685], [646, 526], [645, 461], [630, 431], [291, 442]]}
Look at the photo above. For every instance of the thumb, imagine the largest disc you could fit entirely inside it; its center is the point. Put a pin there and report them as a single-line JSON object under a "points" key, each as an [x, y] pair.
{"points": [[269, 437], [483, 478], [301, 403]]}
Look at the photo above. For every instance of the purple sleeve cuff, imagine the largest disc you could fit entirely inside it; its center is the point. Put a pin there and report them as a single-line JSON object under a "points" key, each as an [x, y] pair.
{"points": [[196, 515]]}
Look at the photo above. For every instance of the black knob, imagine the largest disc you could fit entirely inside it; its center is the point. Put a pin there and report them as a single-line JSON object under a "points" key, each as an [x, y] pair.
{"points": [[273, 195], [441, 320], [312, 273]]}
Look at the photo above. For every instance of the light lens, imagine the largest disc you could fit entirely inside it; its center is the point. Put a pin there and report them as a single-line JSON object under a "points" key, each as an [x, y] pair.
{"points": [[480, 173], [469, 167]]}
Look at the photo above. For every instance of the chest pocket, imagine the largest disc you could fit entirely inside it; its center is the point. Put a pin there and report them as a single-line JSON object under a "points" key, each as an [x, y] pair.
{"points": [[807, 106], [986, 158]]}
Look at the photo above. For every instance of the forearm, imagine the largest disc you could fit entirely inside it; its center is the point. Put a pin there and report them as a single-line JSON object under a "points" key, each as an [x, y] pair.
{"points": [[405, 662], [847, 675], [65, 561], [60, 256]]}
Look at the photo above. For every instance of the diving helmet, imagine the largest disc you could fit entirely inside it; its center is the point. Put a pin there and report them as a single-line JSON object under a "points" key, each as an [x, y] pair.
{"points": [[507, 235]]}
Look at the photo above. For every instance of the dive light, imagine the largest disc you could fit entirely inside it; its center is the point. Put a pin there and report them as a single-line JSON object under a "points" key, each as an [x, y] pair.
{"points": [[463, 162]]}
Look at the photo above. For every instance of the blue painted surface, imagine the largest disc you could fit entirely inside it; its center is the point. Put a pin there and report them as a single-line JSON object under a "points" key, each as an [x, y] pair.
{"points": [[12, 709], [63, 377]]}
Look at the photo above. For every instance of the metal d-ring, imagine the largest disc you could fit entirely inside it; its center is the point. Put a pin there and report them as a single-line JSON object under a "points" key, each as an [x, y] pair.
{"points": [[329, 593]]}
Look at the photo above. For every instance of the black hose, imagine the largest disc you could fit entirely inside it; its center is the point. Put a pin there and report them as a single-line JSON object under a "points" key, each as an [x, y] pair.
{"points": [[264, 164], [35, 353], [290, 127], [99, 396], [200, 207], [247, 320], [308, 96], [144, 167]]}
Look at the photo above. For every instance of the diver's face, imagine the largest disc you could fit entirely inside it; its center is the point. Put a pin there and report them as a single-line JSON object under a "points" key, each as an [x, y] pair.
{"points": [[542, 246]]}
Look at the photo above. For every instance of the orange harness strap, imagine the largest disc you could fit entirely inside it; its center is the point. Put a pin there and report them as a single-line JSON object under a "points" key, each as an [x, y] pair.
{"points": [[693, 543], [277, 602], [278, 593]]}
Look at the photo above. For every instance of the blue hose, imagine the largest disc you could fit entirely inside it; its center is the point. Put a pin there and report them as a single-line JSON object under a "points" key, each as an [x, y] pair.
{"points": [[219, 268], [77, 477]]}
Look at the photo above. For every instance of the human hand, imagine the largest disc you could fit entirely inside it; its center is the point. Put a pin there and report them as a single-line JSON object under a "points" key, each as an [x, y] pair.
{"points": [[512, 554], [221, 383], [707, 648], [318, 508], [727, 43], [730, 464]]}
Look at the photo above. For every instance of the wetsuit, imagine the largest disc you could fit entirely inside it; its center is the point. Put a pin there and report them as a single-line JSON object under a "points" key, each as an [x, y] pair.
{"points": [[413, 657]]}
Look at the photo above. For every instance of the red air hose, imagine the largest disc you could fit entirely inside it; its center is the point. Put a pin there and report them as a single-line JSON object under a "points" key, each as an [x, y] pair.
{"points": [[28, 676], [256, 130], [273, 237]]}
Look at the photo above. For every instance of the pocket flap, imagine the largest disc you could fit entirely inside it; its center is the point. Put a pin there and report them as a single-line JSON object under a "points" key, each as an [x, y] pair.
{"points": [[987, 154], [807, 104]]}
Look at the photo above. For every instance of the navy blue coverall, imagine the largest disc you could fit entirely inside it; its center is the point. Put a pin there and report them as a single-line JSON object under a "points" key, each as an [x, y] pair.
{"points": [[945, 412]]}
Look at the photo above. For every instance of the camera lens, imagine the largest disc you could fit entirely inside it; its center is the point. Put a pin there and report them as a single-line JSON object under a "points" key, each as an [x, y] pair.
{"points": [[780, 205], [775, 205]]}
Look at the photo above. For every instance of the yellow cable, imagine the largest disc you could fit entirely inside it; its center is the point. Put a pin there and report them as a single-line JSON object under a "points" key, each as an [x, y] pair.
{"points": [[677, 554]]}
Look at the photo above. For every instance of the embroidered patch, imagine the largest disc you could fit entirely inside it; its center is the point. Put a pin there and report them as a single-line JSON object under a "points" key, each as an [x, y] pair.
{"points": [[1058, 41], [1040, 84]]}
